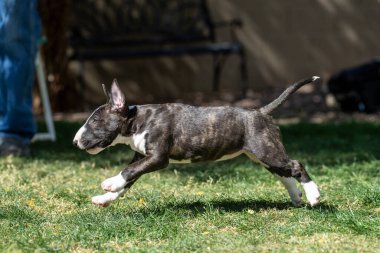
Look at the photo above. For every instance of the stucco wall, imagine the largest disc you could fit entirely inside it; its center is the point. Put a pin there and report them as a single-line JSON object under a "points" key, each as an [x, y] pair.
{"points": [[285, 40]]}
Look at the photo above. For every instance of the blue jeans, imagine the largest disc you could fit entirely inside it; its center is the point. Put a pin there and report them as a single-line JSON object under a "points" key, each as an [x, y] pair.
{"points": [[20, 30]]}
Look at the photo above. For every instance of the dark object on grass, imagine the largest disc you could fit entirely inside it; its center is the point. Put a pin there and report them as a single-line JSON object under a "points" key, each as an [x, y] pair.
{"points": [[358, 88], [13, 146]]}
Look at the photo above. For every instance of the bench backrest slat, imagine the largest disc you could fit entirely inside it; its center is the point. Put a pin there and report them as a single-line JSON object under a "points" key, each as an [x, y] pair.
{"points": [[110, 22]]}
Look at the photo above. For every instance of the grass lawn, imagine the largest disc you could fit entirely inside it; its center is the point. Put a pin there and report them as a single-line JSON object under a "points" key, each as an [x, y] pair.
{"points": [[232, 206]]}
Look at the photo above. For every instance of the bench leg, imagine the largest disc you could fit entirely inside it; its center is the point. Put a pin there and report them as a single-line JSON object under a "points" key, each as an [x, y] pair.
{"points": [[82, 84], [243, 73], [218, 64]]}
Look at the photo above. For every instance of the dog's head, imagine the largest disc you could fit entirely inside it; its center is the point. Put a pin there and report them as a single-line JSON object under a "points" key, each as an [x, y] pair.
{"points": [[104, 125]]}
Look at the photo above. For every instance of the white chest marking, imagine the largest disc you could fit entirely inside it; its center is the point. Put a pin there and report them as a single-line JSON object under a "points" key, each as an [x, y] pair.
{"points": [[138, 142]]}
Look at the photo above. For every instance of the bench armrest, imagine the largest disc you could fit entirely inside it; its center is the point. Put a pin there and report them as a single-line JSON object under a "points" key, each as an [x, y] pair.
{"points": [[231, 25], [236, 22]]}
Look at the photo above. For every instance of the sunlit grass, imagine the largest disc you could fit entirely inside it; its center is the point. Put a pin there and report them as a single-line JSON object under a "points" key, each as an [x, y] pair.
{"points": [[232, 206]]}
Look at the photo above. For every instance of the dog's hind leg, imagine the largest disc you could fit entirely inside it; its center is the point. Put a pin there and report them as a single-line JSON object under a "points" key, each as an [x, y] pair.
{"points": [[311, 189], [267, 148], [290, 185], [289, 182], [287, 171], [294, 169]]}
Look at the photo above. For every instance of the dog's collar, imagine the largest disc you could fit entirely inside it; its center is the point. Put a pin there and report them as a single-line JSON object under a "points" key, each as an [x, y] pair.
{"points": [[131, 111], [126, 127]]}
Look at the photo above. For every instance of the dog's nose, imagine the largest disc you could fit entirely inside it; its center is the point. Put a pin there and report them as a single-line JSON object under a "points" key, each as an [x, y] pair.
{"points": [[75, 143]]}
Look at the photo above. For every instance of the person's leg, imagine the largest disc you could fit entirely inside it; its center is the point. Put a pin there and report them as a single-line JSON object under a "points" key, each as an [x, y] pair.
{"points": [[19, 34]]}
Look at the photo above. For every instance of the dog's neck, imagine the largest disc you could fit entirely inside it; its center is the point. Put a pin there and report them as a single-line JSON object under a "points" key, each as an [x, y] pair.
{"points": [[127, 127]]}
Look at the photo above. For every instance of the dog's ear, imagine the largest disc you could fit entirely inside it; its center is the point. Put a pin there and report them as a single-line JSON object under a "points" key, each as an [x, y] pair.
{"points": [[117, 97], [106, 93]]}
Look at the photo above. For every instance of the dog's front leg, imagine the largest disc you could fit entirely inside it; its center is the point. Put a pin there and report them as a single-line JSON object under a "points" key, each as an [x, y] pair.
{"points": [[118, 182], [105, 199], [133, 171]]}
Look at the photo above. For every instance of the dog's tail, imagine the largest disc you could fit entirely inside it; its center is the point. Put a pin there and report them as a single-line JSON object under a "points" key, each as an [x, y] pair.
{"points": [[281, 99]]}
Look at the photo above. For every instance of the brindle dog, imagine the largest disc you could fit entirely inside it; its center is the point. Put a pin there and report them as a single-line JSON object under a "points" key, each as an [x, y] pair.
{"points": [[176, 133]]}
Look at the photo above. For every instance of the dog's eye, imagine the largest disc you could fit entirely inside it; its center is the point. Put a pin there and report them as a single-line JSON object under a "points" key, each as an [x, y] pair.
{"points": [[94, 119]]}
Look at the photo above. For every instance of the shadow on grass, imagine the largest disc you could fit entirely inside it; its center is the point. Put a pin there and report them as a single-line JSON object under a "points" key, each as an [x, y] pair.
{"points": [[224, 205], [20, 214], [232, 205], [174, 212]]}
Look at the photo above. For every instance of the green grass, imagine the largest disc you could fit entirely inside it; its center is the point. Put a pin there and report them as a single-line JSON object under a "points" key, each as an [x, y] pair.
{"points": [[232, 206]]}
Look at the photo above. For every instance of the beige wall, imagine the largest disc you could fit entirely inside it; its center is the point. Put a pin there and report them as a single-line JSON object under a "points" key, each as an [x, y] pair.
{"points": [[285, 40]]}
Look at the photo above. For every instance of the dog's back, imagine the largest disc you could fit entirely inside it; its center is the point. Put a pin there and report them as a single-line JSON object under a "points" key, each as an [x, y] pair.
{"points": [[195, 133]]}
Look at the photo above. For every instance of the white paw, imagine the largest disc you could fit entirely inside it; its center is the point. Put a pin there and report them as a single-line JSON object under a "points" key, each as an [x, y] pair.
{"points": [[105, 199], [114, 184], [312, 192]]}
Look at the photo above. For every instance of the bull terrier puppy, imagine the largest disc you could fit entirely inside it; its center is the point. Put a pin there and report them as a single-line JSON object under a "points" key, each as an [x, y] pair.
{"points": [[177, 133]]}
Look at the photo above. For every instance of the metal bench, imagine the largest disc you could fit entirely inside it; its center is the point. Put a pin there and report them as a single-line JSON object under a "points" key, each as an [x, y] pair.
{"points": [[126, 29]]}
